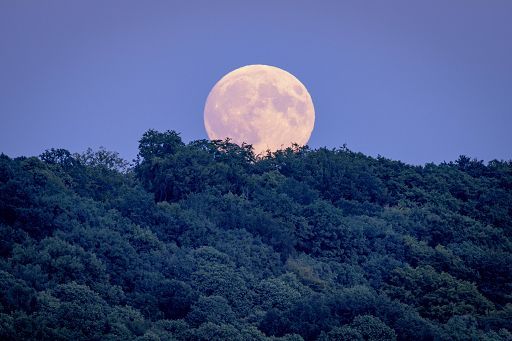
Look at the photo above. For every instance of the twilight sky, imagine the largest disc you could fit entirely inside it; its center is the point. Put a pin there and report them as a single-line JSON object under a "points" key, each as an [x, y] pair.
{"points": [[414, 81]]}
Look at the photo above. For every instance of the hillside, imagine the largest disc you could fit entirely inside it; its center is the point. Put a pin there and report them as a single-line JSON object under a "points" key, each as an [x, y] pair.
{"points": [[204, 241]]}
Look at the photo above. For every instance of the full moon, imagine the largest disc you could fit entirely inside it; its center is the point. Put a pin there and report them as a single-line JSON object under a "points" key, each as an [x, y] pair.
{"points": [[260, 105]]}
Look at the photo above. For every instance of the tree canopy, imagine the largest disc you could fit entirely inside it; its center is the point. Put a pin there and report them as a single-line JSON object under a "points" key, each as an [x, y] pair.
{"points": [[206, 241]]}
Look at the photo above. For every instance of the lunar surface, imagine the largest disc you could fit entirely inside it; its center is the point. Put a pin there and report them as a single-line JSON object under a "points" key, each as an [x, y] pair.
{"points": [[261, 105]]}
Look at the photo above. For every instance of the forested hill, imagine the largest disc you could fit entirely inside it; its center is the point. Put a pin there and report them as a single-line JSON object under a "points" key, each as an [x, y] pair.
{"points": [[203, 241]]}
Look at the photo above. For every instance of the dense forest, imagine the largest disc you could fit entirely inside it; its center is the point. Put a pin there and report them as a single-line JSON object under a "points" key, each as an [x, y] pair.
{"points": [[206, 241]]}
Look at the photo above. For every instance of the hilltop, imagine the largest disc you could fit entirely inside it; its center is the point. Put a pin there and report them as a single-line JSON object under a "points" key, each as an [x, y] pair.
{"points": [[205, 241]]}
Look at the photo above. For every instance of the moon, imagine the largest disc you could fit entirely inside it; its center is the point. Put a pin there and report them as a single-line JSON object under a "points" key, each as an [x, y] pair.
{"points": [[260, 105]]}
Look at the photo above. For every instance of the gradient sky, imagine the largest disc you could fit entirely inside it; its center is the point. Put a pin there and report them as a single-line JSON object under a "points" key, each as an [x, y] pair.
{"points": [[414, 81]]}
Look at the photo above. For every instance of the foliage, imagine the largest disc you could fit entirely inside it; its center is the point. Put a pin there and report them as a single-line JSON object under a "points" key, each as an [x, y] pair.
{"points": [[205, 241]]}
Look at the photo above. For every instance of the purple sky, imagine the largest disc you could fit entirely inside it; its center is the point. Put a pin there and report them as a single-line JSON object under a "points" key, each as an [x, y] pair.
{"points": [[409, 80]]}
